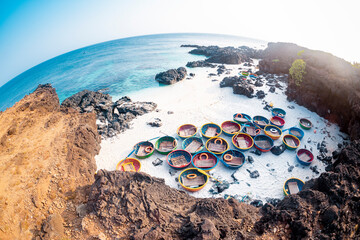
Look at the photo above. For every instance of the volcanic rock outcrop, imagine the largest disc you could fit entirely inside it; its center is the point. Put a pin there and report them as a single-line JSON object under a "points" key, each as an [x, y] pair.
{"points": [[171, 76], [113, 117]]}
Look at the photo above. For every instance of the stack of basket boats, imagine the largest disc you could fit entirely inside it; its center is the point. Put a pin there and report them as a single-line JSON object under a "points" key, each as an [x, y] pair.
{"points": [[205, 151]]}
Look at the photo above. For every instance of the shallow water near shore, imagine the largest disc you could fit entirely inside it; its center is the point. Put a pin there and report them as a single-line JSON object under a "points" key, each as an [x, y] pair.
{"points": [[200, 100], [121, 66]]}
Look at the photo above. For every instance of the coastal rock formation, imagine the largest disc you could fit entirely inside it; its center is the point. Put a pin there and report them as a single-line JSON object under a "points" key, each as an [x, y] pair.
{"points": [[113, 117], [330, 87], [200, 63], [46, 162], [171, 76], [225, 55], [131, 205], [239, 85], [327, 208]]}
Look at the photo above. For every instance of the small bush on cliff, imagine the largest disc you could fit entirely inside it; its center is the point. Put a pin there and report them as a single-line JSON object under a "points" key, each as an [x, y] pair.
{"points": [[297, 71]]}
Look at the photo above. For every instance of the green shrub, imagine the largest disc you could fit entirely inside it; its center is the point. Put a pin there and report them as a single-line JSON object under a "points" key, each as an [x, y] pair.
{"points": [[300, 52], [275, 60], [297, 71]]}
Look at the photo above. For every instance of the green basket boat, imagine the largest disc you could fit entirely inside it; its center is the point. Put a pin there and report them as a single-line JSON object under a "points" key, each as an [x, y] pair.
{"points": [[165, 145], [144, 149]]}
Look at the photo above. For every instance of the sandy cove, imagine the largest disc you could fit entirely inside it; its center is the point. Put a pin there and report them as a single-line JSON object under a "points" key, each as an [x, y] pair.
{"points": [[200, 100]]}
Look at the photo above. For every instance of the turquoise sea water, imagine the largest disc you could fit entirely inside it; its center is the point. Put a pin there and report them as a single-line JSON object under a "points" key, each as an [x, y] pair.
{"points": [[123, 65]]}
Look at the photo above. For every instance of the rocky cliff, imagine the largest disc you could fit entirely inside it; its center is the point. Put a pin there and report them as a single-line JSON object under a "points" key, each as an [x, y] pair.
{"points": [[46, 163], [331, 86]]}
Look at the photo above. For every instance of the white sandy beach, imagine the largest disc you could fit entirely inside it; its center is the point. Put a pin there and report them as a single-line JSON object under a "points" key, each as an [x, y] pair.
{"points": [[201, 100]]}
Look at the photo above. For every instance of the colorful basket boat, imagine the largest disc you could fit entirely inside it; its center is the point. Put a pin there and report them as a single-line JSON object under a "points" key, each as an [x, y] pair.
{"points": [[251, 129], [304, 156], [129, 165], [260, 121], [205, 161], [242, 118], [305, 123], [253, 75], [144, 149], [272, 131], [165, 145], [244, 73], [291, 142], [297, 132], [186, 131], [263, 143], [278, 112], [179, 159], [242, 141], [293, 186], [233, 159], [193, 145], [210, 130], [230, 128], [217, 145], [277, 121], [192, 180]]}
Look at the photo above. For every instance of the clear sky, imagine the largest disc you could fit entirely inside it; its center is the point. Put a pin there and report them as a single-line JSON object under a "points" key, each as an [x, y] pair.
{"points": [[32, 31]]}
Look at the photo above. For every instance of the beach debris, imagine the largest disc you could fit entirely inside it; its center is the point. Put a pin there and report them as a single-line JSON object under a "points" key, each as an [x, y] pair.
{"points": [[235, 180], [248, 184], [156, 123], [257, 203], [219, 187], [192, 74], [157, 162], [290, 168], [170, 112], [314, 169], [254, 174], [291, 107], [250, 159], [214, 80], [277, 150]]}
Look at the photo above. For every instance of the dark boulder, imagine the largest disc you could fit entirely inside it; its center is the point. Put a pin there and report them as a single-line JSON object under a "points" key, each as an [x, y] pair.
{"points": [[200, 63], [230, 81], [243, 88], [171, 76]]}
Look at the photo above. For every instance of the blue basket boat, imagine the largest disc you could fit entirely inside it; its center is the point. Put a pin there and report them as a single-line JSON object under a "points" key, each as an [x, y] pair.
{"points": [[193, 145], [278, 112], [263, 143], [233, 159], [297, 132], [260, 121], [293, 186], [210, 130]]}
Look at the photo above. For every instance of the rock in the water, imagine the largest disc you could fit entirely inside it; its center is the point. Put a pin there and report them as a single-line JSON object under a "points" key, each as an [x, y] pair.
{"points": [[277, 150], [171, 76], [254, 174], [157, 162]]}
